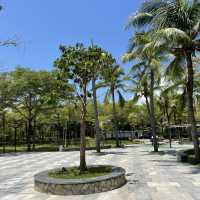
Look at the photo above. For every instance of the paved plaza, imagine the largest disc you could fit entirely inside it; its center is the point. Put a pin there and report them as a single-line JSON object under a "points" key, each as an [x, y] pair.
{"points": [[150, 176]]}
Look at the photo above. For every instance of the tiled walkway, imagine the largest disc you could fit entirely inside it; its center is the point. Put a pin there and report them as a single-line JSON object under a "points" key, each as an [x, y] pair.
{"points": [[150, 176]]}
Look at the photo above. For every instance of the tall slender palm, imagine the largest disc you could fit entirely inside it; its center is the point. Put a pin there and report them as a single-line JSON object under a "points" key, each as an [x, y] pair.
{"points": [[96, 68], [100, 59], [113, 81], [164, 105], [149, 58], [176, 87], [168, 100], [176, 25], [139, 80], [96, 114]]}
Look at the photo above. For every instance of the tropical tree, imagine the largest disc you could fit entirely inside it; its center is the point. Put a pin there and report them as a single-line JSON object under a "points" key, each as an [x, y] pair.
{"points": [[164, 106], [112, 79], [74, 66], [139, 84], [176, 25], [99, 59], [147, 72], [32, 93], [5, 91], [5, 96]]}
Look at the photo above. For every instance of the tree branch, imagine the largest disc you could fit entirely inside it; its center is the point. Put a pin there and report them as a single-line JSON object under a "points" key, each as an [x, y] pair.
{"points": [[8, 43]]}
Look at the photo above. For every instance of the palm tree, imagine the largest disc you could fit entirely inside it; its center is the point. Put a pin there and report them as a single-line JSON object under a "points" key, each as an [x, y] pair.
{"points": [[176, 25], [100, 59], [96, 114], [164, 105], [170, 105], [140, 83], [112, 79], [149, 58], [169, 102]]}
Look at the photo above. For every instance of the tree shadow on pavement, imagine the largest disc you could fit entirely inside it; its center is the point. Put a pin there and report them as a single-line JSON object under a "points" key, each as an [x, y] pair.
{"points": [[161, 153], [18, 154], [109, 153]]}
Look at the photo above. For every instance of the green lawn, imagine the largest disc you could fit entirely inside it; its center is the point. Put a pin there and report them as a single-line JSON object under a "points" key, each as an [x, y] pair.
{"points": [[23, 148], [74, 173], [191, 157], [90, 142]]}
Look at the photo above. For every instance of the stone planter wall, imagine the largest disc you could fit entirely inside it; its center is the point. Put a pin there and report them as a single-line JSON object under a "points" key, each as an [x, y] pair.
{"points": [[87, 148], [46, 184], [181, 156]]}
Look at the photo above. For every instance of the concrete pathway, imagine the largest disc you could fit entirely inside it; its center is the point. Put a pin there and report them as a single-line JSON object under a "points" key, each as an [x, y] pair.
{"points": [[150, 176]]}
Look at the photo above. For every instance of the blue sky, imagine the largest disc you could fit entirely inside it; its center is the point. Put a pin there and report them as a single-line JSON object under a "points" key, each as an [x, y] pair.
{"points": [[41, 25]]}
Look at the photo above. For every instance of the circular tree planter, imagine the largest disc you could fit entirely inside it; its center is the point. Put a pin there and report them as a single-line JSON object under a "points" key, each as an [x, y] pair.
{"points": [[111, 181]]}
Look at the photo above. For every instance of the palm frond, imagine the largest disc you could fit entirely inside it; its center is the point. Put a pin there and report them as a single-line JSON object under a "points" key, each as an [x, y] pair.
{"points": [[175, 69], [138, 66], [178, 86], [121, 99], [129, 57], [102, 84], [138, 40], [171, 35], [107, 97], [139, 19], [136, 98], [151, 6]]}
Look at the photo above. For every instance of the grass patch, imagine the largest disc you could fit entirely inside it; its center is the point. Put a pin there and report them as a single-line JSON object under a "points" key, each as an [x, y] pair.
{"points": [[46, 148], [74, 173], [112, 143], [51, 147], [191, 157], [23, 148]]}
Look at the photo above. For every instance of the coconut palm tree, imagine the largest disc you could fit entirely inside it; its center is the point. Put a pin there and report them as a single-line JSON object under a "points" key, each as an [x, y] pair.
{"points": [[112, 79], [164, 106], [139, 81], [141, 51], [176, 25]]}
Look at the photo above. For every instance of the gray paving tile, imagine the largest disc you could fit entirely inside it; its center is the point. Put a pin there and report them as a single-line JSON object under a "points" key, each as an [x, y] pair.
{"points": [[150, 176]]}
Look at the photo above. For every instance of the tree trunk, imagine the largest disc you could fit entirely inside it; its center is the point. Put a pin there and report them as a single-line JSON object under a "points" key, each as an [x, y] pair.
{"points": [[83, 166], [174, 117], [29, 120], [29, 134], [114, 113], [152, 116], [170, 137], [146, 99], [4, 131], [191, 117], [96, 115], [148, 106], [33, 133], [167, 113]]}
